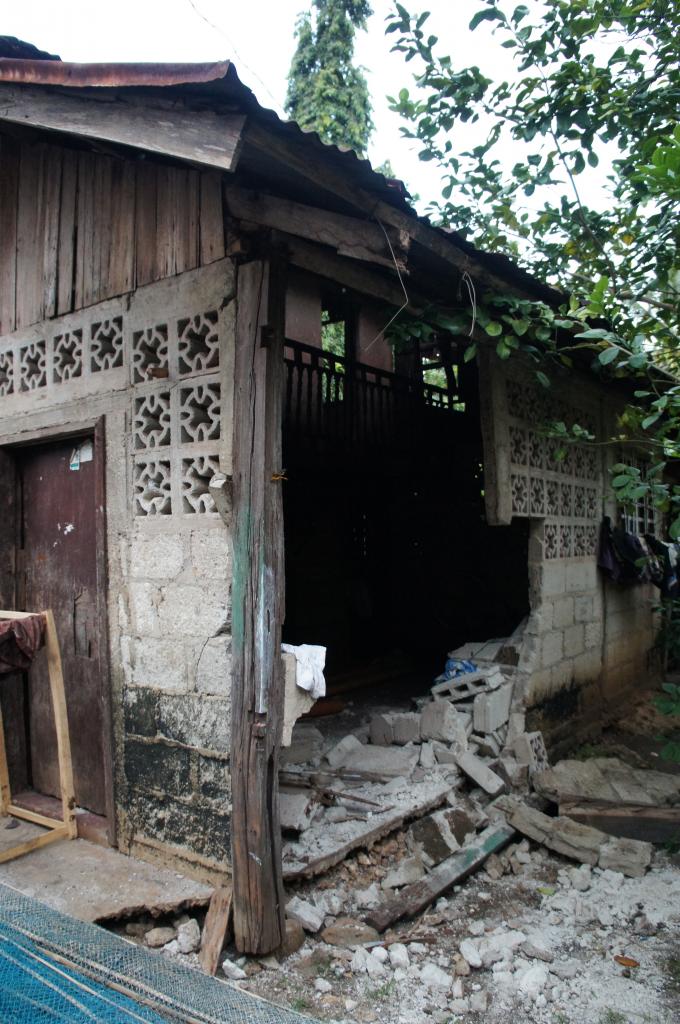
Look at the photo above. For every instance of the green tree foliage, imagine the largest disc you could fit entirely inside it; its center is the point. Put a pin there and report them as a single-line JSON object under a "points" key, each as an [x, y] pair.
{"points": [[594, 80], [326, 92]]}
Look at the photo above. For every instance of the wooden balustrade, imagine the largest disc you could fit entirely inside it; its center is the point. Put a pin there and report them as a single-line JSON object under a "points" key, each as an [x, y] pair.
{"points": [[331, 398]]}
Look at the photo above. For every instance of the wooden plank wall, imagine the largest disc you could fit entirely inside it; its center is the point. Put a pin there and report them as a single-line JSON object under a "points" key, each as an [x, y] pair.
{"points": [[78, 227]]}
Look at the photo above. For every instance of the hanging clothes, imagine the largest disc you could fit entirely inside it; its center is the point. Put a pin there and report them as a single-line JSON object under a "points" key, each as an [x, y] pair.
{"points": [[20, 640], [668, 556], [625, 558]]}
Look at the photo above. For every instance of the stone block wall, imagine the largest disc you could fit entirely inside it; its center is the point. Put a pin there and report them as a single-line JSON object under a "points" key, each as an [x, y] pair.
{"points": [[157, 364], [587, 643]]}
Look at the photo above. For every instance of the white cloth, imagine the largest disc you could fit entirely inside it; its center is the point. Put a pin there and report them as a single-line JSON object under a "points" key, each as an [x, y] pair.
{"points": [[309, 668]]}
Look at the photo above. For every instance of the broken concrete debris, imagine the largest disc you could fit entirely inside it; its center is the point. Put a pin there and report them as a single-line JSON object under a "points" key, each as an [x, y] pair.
{"points": [[454, 776], [580, 842]]}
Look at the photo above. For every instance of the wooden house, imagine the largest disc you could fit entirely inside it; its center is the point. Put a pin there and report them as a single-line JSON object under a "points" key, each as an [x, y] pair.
{"points": [[207, 443]]}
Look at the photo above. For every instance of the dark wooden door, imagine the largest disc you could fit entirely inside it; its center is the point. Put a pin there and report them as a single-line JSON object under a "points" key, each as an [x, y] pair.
{"points": [[59, 542]]}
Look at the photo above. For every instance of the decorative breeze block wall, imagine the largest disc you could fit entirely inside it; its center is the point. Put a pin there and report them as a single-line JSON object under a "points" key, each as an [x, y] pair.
{"points": [[565, 492]]}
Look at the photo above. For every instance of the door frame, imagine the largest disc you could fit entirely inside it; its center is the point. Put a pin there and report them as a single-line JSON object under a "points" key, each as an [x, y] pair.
{"points": [[12, 445]]}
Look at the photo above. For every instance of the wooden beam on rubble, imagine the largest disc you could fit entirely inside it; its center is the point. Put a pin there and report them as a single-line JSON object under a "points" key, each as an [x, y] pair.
{"points": [[258, 606], [418, 896], [348, 236]]}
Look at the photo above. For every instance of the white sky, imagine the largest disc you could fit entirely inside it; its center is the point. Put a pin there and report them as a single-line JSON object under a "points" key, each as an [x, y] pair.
{"points": [[258, 36]]}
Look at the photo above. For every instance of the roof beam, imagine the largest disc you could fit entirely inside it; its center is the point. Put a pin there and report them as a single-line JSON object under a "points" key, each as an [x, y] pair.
{"points": [[199, 137], [323, 174], [348, 236]]}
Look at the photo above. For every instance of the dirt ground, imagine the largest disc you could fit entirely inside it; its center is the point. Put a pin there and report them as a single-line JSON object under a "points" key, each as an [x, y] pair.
{"points": [[581, 932], [547, 942]]}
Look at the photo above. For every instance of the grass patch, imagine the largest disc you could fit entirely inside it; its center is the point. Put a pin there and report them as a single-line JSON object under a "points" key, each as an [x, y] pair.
{"points": [[613, 1017], [384, 991], [299, 1004], [673, 970]]}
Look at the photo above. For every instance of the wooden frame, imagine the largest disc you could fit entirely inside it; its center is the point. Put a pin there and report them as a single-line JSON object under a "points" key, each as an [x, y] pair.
{"points": [[10, 445], [65, 828], [258, 607]]}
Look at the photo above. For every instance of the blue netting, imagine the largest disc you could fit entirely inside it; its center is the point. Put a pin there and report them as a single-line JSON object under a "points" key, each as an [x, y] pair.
{"points": [[54, 968], [34, 989]]}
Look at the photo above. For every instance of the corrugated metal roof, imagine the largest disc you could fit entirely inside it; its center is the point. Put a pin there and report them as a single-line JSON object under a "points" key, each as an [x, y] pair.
{"points": [[217, 84], [57, 72]]}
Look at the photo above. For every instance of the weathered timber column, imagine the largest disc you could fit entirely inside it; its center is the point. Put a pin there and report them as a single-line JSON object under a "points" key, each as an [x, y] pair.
{"points": [[257, 602]]}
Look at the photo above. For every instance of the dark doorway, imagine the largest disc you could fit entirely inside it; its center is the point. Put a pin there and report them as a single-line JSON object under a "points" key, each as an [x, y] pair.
{"points": [[390, 560], [60, 554]]}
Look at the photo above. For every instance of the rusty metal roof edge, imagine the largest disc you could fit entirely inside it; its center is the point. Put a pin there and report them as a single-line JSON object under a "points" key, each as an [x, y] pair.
{"points": [[124, 75], [56, 72]]}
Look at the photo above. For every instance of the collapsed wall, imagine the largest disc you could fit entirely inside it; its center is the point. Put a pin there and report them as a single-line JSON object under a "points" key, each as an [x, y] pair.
{"points": [[587, 642]]}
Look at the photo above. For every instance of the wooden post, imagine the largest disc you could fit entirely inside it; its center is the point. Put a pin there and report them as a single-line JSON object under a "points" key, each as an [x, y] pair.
{"points": [[257, 601]]}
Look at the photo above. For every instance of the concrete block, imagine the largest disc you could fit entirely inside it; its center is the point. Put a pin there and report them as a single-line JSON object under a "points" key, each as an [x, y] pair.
{"points": [[479, 773], [297, 808], [444, 754], [579, 842], [213, 671], [434, 836], [529, 750], [629, 856], [156, 556], [211, 553], [563, 612], [391, 762], [409, 870], [486, 746], [427, 756], [397, 728], [187, 610], [574, 641], [491, 710], [584, 609], [305, 913], [342, 752], [381, 733], [406, 728], [160, 663], [306, 745], [552, 649], [581, 576], [296, 701], [144, 601], [593, 634], [515, 774], [440, 721], [516, 726]]}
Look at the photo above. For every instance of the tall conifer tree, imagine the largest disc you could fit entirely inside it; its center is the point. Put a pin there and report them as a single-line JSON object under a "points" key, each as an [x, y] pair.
{"points": [[326, 92]]}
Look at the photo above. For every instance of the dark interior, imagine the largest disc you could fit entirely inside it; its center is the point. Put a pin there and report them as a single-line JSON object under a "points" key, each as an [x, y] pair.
{"points": [[390, 562]]}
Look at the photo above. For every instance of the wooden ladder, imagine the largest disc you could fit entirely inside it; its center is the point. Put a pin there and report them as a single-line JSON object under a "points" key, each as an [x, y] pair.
{"points": [[65, 828]]}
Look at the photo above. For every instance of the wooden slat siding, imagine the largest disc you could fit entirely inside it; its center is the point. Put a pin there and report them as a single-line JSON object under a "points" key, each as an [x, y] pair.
{"points": [[189, 218], [122, 250], [211, 218], [145, 224], [77, 228], [101, 229], [29, 289], [258, 611], [165, 206], [9, 190], [67, 231], [51, 195], [85, 232]]}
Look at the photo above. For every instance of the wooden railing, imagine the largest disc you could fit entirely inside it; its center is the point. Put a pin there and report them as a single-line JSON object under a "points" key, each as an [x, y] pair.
{"points": [[329, 397]]}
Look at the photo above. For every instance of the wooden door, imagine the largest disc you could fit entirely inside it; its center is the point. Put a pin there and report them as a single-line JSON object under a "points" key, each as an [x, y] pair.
{"points": [[58, 519]]}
